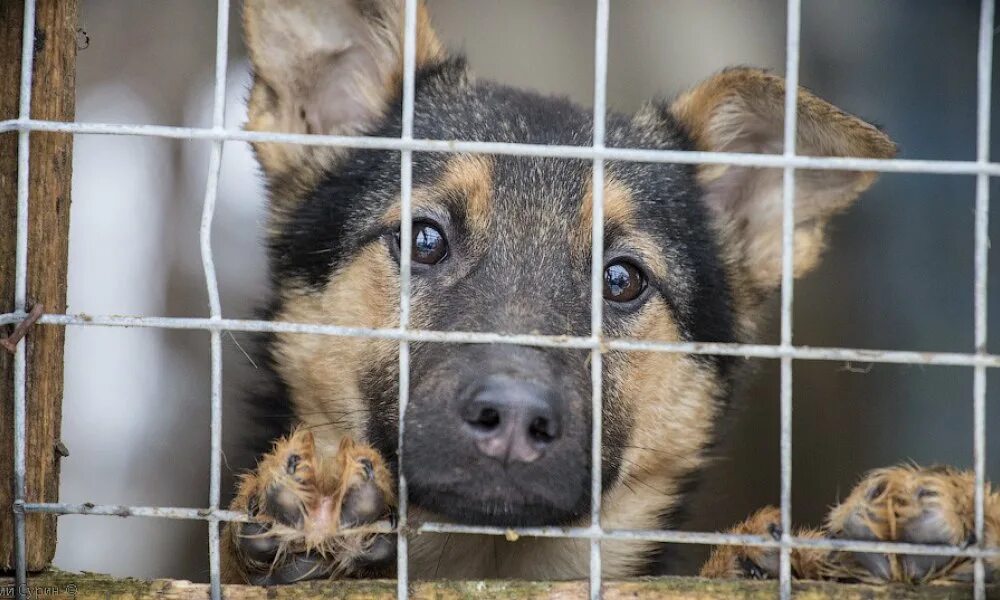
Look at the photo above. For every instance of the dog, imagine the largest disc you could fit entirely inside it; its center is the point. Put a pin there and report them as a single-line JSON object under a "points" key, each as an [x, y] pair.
{"points": [[500, 434]]}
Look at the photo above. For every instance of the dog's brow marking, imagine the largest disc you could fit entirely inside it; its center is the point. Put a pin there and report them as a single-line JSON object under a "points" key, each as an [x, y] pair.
{"points": [[649, 251], [465, 185], [619, 209], [619, 215], [472, 177]]}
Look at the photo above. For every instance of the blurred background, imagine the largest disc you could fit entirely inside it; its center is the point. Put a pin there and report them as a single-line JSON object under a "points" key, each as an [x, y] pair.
{"points": [[899, 273]]}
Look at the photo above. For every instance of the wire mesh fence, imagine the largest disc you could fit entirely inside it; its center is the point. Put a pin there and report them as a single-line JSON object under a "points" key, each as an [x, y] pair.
{"points": [[786, 352]]}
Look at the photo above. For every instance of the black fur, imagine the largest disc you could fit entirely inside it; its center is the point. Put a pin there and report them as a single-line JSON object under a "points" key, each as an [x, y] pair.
{"points": [[527, 265], [321, 231]]}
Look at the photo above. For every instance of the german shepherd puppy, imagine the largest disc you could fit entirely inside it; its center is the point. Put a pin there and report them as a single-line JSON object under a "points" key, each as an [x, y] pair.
{"points": [[500, 434]]}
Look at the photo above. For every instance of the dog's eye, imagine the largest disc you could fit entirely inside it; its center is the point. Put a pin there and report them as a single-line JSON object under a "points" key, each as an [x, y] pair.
{"points": [[429, 246], [623, 281]]}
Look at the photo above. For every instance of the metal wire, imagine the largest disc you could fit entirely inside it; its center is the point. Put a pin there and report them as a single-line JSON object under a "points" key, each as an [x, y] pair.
{"points": [[20, 304], [985, 72], [651, 535], [212, 287], [405, 261], [748, 351], [597, 292], [786, 352], [823, 163], [787, 291], [954, 359]]}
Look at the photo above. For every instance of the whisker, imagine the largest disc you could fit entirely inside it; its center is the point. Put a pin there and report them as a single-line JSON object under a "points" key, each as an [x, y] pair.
{"points": [[245, 353]]}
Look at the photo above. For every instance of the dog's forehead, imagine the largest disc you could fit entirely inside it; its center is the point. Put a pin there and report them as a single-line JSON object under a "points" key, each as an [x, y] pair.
{"points": [[525, 189], [532, 207], [488, 111], [546, 201]]}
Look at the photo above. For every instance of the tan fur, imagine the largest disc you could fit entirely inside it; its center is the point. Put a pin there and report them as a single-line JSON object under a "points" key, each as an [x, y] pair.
{"points": [[319, 485], [888, 503], [466, 184], [294, 46], [667, 440], [725, 561], [887, 499], [471, 177], [619, 209], [324, 372], [619, 213], [742, 110], [667, 437], [671, 401], [713, 108]]}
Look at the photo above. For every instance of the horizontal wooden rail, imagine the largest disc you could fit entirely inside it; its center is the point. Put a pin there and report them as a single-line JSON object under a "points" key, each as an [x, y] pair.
{"points": [[91, 586]]}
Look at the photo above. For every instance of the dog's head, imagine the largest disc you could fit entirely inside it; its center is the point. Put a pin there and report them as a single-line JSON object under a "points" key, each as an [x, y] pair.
{"points": [[500, 434]]}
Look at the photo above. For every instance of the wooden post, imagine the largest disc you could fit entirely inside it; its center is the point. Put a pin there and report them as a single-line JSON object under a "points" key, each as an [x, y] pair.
{"points": [[50, 175]]}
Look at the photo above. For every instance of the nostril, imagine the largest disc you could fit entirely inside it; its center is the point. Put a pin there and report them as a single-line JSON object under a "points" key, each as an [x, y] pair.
{"points": [[511, 421], [488, 419], [542, 430]]}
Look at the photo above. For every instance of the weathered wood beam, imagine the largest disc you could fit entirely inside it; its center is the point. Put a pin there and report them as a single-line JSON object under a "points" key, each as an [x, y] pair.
{"points": [[50, 177], [90, 586]]}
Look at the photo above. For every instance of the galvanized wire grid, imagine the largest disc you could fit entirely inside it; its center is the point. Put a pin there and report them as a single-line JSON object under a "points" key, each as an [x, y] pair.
{"points": [[596, 343]]}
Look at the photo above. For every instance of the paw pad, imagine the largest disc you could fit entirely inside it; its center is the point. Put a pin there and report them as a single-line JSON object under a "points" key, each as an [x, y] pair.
{"points": [[303, 500]]}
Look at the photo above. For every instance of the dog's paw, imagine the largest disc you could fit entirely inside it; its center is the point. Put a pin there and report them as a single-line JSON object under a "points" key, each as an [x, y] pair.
{"points": [[914, 505], [751, 562], [311, 512]]}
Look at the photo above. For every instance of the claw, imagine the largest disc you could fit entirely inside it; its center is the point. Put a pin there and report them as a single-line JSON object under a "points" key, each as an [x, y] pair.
{"points": [[970, 541], [368, 468], [292, 464], [751, 569], [298, 567], [381, 552]]}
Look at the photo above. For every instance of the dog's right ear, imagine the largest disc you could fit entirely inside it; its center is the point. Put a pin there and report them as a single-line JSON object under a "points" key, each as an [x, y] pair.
{"points": [[743, 110], [324, 67]]}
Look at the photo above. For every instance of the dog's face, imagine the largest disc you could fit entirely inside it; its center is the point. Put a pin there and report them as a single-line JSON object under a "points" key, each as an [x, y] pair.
{"points": [[500, 434]]}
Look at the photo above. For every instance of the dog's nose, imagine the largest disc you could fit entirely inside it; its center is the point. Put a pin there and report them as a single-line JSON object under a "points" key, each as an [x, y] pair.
{"points": [[512, 421]]}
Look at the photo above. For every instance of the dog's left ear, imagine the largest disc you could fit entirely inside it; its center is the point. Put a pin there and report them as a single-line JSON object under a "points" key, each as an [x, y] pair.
{"points": [[742, 110]]}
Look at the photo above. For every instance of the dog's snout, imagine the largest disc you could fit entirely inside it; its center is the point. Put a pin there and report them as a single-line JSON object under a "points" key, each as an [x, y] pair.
{"points": [[498, 436], [512, 421]]}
